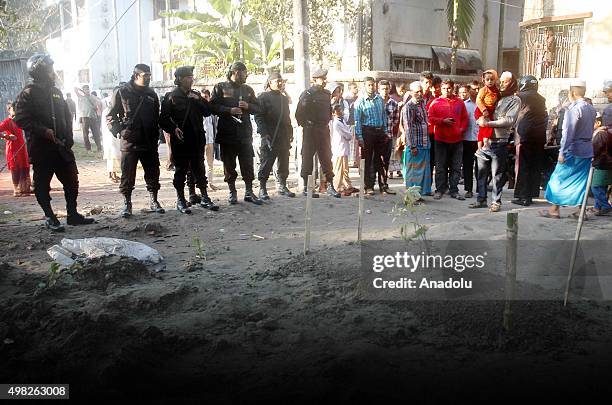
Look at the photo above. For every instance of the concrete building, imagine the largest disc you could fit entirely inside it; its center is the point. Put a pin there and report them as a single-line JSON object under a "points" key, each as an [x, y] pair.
{"points": [[412, 35], [88, 50], [565, 39]]}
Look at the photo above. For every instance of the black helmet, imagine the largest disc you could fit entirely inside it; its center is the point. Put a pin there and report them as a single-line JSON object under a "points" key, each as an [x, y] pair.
{"points": [[528, 82], [39, 65]]}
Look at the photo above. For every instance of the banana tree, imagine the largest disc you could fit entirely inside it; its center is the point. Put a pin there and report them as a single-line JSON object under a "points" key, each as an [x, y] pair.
{"points": [[460, 15], [223, 36]]}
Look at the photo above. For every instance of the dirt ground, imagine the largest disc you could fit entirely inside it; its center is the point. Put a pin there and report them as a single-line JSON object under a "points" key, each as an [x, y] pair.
{"points": [[239, 314]]}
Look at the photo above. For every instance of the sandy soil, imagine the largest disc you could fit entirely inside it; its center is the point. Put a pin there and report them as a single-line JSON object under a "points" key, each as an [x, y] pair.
{"points": [[256, 320]]}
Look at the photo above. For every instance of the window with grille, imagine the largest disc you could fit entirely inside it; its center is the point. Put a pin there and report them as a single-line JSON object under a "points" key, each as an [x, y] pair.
{"points": [[552, 50], [404, 64]]}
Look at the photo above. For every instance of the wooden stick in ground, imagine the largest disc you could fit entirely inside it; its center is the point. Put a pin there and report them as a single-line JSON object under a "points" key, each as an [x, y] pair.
{"points": [[577, 237], [511, 250], [361, 194], [308, 220]]}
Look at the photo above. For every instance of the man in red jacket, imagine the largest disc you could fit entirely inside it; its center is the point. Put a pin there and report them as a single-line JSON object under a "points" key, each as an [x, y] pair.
{"points": [[450, 119]]}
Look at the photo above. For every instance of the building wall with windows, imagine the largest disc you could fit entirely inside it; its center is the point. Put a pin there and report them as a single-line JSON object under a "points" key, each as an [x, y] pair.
{"points": [[80, 50], [404, 32], [565, 39]]}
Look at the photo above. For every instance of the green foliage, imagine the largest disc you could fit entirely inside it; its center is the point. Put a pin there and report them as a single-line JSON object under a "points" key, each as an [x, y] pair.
{"points": [[25, 23], [216, 40], [198, 246], [466, 12], [411, 207]]}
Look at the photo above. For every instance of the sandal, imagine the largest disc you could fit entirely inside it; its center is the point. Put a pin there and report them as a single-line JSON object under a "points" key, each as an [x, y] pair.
{"points": [[495, 207], [547, 214], [478, 204], [576, 215]]}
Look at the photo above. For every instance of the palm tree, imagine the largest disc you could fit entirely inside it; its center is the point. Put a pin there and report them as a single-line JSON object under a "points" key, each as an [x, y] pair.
{"points": [[460, 15]]}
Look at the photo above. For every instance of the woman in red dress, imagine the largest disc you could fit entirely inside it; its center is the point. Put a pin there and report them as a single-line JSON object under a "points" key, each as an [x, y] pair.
{"points": [[16, 153]]}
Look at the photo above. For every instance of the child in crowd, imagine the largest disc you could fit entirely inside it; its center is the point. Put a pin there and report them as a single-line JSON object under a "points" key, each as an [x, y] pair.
{"points": [[16, 153], [602, 162], [486, 100], [340, 140]]}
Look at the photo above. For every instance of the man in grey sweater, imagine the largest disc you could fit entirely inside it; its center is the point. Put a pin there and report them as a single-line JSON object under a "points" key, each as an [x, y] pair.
{"points": [[496, 158]]}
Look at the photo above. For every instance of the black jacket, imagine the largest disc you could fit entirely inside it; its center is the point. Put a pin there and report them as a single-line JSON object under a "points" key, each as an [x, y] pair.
{"points": [[532, 119], [174, 108], [36, 104], [137, 127], [275, 111], [314, 107], [224, 96]]}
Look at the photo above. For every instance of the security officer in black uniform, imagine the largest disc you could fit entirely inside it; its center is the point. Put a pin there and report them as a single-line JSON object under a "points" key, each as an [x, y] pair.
{"points": [[274, 126], [313, 113], [234, 102], [42, 111], [182, 112], [134, 117]]}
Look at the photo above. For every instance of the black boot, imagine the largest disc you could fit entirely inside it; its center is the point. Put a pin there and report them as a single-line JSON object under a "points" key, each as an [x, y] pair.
{"points": [[154, 204], [53, 224], [181, 204], [193, 197], [305, 193], [249, 196], [233, 195], [51, 221], [126, 212], [206, 202], [263, 191], [78, 219], [283, 190], [74, 218], [331, 190]]}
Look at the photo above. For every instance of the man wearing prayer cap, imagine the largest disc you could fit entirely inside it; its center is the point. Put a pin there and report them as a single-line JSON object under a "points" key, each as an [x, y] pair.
{"points": [[568, 182]]}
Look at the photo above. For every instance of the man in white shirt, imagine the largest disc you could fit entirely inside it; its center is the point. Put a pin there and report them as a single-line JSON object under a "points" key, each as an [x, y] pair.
{"points": [[468, 94]]}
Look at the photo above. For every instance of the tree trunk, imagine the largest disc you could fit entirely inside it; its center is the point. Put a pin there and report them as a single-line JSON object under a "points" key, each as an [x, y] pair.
{"points": [[454, 41], [301, 57], [282, 54], [263, 49]]}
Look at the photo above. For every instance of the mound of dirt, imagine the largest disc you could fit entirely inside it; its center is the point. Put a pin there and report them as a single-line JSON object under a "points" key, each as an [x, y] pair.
{"points": [[100, 273]]}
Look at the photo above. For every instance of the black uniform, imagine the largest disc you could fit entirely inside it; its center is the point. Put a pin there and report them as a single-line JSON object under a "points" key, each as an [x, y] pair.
{"points": [[134, 116], [274, 126], [313, 113], [180, 111], [529, 141], [41, 106], [236, 139]]}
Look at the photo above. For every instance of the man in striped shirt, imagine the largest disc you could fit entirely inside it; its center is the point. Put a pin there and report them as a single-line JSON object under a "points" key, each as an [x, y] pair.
{"points": [[392, 110], [371, 131]]}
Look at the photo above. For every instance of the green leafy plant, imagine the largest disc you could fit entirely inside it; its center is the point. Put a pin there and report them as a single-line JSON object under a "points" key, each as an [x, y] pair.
{"points": [[198, 246], [411, 207]]}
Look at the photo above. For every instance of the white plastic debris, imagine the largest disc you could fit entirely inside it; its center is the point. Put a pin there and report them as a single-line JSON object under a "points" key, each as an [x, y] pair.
{"points": [[60, 255], [91, 248], [7, 212]]}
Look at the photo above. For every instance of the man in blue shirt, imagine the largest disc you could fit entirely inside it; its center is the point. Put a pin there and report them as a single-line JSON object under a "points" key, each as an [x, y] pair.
{"points": [[371, 132], [567, 184]]}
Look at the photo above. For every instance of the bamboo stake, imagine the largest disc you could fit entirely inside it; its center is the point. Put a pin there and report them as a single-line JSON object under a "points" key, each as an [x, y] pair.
{"points": [[361, 195], [577, 237], [308, 220], [511, 251]]}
